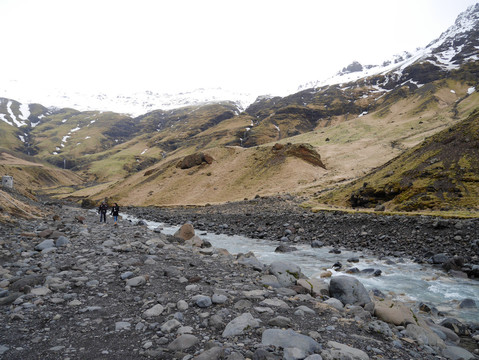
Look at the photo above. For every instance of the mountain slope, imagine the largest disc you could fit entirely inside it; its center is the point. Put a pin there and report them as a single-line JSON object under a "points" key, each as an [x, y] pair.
{"points": [[216, 152], [442, 173]]}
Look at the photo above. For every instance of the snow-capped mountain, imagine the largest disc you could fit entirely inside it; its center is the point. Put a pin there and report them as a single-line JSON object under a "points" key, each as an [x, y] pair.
{"points": [[135, 103], [457, 45]]}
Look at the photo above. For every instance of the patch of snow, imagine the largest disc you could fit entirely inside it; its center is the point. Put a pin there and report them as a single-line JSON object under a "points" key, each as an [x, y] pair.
{"points": [[277, 127], [41, 116], [25, 111], [13, 117], [452, 91], [21, 138], [471, 90], [64, 120], [144, 151], [87, 137], [362, 114], [74, 129]]}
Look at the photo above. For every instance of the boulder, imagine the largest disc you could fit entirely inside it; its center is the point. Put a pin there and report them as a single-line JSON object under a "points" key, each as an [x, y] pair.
{"points": [[186, 232], [238, 325], [194, 160], [286, 273], [457, 353], [250, 260], [424, 336], [392, 312], [349, 290], [315, 287]]}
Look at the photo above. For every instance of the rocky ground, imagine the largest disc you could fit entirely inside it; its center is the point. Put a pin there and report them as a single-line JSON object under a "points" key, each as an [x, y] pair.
{"points": [[72, 288]]}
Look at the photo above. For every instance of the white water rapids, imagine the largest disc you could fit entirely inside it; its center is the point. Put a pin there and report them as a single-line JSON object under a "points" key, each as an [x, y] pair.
{"points": [[403, 279]]}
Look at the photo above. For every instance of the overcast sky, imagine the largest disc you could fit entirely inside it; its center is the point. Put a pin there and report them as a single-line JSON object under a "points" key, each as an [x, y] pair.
{"points": [[256, 46]]}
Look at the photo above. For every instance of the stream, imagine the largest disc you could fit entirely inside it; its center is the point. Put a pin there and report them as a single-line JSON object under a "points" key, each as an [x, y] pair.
{"points": [[403, 279]]}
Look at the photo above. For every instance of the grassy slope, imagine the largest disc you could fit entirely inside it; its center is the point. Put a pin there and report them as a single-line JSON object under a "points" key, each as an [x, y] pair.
{"points": [[441, 173]]}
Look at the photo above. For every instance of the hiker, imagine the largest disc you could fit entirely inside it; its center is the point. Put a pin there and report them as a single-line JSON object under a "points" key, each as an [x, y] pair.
{"points": [[102, 211], [114, 211]]}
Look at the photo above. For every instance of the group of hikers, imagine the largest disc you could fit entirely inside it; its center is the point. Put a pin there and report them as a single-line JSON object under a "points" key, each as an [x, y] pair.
{"points": [[103, 209]]}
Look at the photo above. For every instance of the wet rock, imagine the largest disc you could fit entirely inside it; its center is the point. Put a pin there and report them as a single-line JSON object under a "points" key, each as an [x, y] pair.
{"points": [[468, 304]]}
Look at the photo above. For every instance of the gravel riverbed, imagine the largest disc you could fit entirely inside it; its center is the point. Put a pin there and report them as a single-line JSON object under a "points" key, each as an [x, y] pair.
{"points": [[72, 288]]}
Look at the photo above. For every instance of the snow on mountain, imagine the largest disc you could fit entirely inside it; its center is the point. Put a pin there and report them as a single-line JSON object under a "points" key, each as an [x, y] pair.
{"points": [[457, 45], [135, 103]]}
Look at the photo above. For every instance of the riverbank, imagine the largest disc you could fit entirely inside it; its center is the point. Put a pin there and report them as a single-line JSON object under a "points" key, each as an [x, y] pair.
{"points": [[72, 288], [450, 243]]}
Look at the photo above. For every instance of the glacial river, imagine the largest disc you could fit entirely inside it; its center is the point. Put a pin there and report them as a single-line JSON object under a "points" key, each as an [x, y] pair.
{"points": [[403, 280]]}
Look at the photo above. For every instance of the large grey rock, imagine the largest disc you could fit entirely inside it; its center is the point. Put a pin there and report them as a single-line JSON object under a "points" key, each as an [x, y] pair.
{"points": [[457, 353], [290, 339], [349, 290], [343, 352], [239, 324], [183, 342], [270, 280], [424, 336], [287, 273], [249, 260], [45, 244]]}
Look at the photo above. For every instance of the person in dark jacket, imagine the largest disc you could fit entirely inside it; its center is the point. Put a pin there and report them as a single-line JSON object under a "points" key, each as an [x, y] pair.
{"points": [[102, 211], [115, 210]]}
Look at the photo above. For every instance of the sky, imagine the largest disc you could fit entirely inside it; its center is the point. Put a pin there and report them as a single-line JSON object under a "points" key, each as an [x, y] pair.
{"points": [[254, 46]]}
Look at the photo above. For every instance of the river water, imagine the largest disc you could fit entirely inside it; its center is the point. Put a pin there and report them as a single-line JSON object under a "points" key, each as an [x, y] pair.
{"points": [[402, 279]]}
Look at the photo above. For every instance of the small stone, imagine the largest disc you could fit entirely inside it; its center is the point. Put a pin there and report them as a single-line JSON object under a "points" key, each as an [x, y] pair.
{"points": [[122, 325], [202, 301], [183, 342], [156, 310]]}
